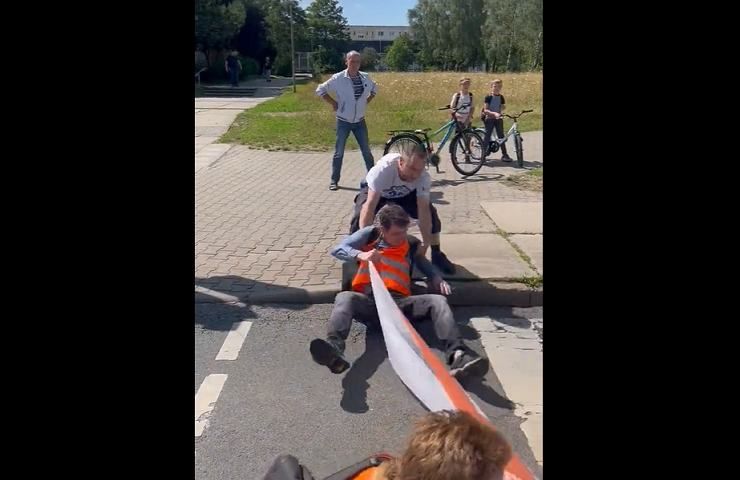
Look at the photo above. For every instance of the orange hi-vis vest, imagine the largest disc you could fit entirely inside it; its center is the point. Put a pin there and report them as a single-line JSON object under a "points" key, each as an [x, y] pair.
{"points": [[394, 269], [367, 474], [373, 468]]}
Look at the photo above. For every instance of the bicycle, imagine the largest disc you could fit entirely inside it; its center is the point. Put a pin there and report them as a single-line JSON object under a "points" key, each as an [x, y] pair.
{"points": [[495, 143], [467, 140]]}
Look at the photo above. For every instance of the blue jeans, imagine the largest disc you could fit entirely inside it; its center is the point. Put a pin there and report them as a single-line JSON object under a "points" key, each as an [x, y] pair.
{"points": [[234, 77], [490, 124], [360, 131]]}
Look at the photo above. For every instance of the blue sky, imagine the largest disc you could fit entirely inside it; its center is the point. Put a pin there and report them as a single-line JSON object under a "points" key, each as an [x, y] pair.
{"points": [[373, 12]]}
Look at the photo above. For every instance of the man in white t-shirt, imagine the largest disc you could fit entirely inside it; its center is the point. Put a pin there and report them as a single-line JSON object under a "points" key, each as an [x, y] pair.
{"points": [[403, 180]]}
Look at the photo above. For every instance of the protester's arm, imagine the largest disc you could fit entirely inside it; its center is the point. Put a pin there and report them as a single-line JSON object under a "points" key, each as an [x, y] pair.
{"points": [[349, 247]]}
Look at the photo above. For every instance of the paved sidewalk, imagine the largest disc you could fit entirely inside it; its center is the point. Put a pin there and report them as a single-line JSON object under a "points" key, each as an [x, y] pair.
{"points": [[213, 116], [266, 220]]}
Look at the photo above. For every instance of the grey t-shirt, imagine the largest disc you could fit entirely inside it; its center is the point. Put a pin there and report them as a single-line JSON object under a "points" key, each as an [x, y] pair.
{"points": [[494, 102], [384, 178]]}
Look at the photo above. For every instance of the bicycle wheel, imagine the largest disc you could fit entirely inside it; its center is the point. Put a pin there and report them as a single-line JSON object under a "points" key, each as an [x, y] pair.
{"points": [[519, 151], [399, 142], [467, 152], [482, 133], [492, 146]]}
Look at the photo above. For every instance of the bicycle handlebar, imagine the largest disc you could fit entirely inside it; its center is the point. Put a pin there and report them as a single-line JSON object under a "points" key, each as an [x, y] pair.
{"points": [[514, 117], [454, 110]]}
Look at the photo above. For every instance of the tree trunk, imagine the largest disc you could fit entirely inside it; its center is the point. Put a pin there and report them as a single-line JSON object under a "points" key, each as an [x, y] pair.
{"points": [[537, 52], [508, 55]]}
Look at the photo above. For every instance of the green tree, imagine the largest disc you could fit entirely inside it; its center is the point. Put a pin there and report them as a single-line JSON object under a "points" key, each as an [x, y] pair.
{"points": [[252, 38], [400, 56], [458, 34], [277, 21], [218, 21], [466, 22], [328, 35], [512, 34], [421, 36], [370, 58], [533, 36], [430, 23]]}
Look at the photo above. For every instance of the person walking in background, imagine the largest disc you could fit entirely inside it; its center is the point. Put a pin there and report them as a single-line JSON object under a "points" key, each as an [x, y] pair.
{"points": [[233, 67], [268, 69]]}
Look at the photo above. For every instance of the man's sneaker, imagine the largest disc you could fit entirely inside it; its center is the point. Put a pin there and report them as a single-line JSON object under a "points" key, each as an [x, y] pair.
{"points": [[466, 363], [440, 261], [324, 353], [506, 158], [333, 186]]}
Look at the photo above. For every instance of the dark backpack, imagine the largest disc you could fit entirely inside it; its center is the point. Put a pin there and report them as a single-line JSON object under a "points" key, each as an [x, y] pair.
{"points": [[287, 467], [352, 470], [457, 99]]}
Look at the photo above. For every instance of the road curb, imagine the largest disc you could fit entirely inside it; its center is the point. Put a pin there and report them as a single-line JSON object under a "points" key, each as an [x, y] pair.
{"points": [[464, 293]]}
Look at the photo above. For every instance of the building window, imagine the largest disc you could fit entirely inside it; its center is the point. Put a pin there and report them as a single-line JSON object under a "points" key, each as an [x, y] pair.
{"points": [[380, 34]]}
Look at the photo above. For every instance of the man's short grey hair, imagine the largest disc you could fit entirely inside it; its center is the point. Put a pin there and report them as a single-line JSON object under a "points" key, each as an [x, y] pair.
{"points": [[412, 149], [351, 53]]}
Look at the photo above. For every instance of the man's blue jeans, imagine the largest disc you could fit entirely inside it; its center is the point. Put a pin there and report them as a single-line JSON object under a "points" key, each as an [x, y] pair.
{"points": [[360, 131]]}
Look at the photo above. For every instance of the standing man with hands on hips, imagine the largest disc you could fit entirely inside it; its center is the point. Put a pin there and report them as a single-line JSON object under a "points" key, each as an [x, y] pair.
{"points": [[353, 90]]}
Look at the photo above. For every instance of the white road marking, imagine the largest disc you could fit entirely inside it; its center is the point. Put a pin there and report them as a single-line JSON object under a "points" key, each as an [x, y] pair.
{"points": [[234, 340], [206, 399]]}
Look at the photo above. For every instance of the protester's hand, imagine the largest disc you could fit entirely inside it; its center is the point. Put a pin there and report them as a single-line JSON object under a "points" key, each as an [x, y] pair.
{"points": [[422, 250], [441, 286], [371, 256], [335, 105]]}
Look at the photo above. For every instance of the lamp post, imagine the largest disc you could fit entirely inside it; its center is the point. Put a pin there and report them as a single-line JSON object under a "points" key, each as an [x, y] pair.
{"points": [[292, 45]]}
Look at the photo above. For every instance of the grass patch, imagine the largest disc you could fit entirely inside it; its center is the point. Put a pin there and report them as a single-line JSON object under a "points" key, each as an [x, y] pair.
{"points": [[302, 121], [531, 282], [532, 180]]}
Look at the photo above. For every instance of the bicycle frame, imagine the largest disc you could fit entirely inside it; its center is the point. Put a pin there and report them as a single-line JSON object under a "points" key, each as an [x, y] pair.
{"points": [[450, 126], [514, 129]]}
